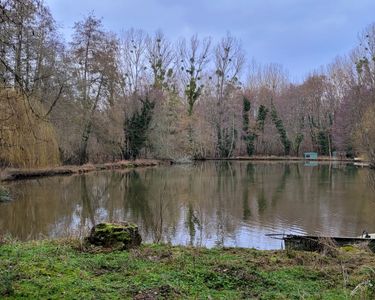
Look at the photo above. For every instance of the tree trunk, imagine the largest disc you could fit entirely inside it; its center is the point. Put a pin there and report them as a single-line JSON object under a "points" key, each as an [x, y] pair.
{"points": [[17, 69], [83, 157]]}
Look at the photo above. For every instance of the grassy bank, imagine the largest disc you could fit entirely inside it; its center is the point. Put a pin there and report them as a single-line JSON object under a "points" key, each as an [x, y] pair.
{"points": [[16, 174], [57, 269]]}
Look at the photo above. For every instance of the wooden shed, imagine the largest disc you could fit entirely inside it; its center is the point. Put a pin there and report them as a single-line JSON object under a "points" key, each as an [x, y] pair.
{"points": [[311, 155]]}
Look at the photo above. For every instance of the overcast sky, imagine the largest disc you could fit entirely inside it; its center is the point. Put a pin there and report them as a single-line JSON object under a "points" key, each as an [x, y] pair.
{"points": [[299, 34]]}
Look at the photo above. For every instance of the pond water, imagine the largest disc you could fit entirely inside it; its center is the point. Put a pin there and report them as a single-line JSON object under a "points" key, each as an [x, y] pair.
{"points": [[205, 204]]}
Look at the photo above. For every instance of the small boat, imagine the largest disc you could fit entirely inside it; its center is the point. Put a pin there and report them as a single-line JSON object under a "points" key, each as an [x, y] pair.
{"points": [[367, 235], [317, 243]]}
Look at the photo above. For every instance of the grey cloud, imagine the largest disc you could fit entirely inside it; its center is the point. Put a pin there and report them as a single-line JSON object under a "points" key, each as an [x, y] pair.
{"points": [[300, 34]]}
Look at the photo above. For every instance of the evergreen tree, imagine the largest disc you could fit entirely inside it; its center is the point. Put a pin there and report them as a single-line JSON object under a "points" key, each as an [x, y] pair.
{"points": [[261, 118], [281, 130], [135, 129], [248, 136]]}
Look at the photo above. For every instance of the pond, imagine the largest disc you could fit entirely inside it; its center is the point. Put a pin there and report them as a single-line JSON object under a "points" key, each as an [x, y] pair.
{"points": [[205, 204]]}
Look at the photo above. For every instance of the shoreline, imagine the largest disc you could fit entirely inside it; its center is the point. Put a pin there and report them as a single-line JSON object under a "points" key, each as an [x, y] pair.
{"points": [[63, 269], [12, 174], [21, 174], [273, 158], [284, 158]]}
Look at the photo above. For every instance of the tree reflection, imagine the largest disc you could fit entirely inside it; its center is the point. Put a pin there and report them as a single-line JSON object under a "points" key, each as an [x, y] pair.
{"points": [[249, 180], [282, 183], [135, 199], [87, 205], [371, 180], [192, 223], [200, 204]]}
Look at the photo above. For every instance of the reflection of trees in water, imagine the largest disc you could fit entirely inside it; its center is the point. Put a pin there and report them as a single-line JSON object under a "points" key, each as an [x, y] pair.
{"points": [[298, 172], [190, 204], [192, 223], [41, 208], [371, 180], [253, 183], [95, 195], [135, 198], [324, 173], [112, 195], [222, 167], [225, 175], [267, 189], [191, 216], [226, 192], [247, 182], [262, 200], [87, 205], [151, 200], [280, 188], [351, 171]]}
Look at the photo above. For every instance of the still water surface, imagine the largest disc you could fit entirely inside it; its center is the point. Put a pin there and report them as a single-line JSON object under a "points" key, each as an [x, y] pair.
{"points": [[205, 204]]}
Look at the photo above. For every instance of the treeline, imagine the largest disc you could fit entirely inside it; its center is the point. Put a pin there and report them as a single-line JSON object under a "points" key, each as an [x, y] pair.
{"points": [[103, 97]]}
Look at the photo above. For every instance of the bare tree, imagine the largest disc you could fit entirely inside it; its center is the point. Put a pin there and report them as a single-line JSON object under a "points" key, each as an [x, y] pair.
{"points": [[134, 60], [94, 54], [161, 56], [30, 52], [229, 60], [193, 59]]}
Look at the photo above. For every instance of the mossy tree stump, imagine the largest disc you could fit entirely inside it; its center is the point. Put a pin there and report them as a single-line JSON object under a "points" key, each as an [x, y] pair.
{"points": [[119, 235]]}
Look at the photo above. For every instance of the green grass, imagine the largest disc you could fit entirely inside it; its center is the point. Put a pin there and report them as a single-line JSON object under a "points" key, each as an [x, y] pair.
{"points": [[61, 269]]}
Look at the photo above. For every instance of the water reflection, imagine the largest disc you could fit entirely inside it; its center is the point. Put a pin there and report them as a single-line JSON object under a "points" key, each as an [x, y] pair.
{"points": [[211, 203], [371, 181]]}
